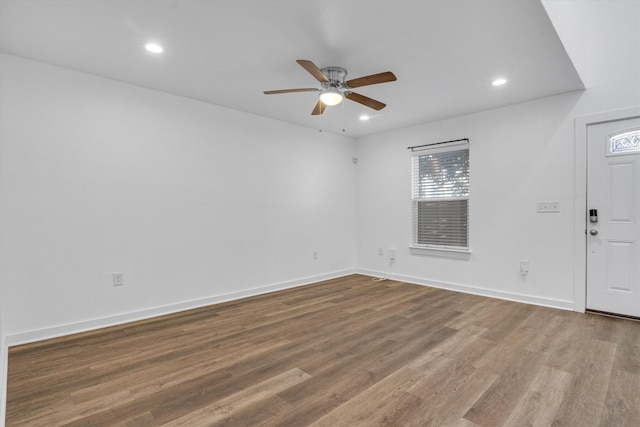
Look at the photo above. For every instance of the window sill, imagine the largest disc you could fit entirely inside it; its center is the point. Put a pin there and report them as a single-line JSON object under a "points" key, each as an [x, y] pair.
{"points": [[440, 252]]}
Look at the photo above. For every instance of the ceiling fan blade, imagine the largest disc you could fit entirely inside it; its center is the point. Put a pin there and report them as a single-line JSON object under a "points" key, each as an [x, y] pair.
{"points": [[364, 100], [373, 79], [306, 89], [319, 108], [313, 70]]}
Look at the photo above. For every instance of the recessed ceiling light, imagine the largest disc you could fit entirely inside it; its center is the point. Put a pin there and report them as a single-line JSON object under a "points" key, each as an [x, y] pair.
{"points": [[154, 47], [499, 82], [364, 117]]}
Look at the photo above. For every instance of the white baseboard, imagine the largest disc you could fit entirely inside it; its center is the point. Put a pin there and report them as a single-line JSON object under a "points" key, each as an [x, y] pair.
{"points": [[93, 324], [528, 299]]}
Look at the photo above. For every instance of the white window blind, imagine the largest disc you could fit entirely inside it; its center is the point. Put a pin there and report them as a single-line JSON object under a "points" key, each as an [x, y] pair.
{"points": [[441, 196]]}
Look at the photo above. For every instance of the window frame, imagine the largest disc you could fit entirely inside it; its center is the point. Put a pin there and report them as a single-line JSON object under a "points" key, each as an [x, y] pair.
{"points": [[449, 250]]}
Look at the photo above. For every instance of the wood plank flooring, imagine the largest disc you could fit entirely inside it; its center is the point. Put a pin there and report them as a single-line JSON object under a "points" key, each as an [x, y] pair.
{"points": [[344, 352]]}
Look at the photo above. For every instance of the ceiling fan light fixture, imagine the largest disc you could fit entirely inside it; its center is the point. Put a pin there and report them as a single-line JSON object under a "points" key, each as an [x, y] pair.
{"points": [[331, 97]]}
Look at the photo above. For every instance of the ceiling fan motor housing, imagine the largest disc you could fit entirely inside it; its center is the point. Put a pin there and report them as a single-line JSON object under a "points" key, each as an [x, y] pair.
{"points": [[336, 76]]}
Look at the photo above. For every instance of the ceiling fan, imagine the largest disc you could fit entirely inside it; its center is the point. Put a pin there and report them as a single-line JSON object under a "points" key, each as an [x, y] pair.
{"points": [[334, 87]]}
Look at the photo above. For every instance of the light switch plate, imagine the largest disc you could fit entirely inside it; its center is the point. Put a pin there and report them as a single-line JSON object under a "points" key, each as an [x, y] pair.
{"points": [[548, 207]]}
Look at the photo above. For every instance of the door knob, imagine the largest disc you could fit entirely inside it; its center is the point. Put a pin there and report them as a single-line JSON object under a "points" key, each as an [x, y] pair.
{"points": [[593, 232]]}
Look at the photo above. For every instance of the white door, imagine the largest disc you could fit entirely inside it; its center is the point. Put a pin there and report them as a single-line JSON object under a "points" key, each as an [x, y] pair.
{"points": [[613, 190]]}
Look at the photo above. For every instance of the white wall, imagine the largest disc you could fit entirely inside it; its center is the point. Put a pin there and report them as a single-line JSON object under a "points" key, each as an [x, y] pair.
{"points": [[519, 155], [192, 202]]}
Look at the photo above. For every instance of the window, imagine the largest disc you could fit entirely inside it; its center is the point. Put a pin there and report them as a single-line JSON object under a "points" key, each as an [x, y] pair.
{"points": [[441, 196], [625, 143]]}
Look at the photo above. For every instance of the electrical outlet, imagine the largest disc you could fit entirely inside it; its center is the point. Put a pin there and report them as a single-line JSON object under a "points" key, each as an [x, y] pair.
{"points": [[380, 251], [315, 254], [524, 267], [392, 254], [118, 279]]}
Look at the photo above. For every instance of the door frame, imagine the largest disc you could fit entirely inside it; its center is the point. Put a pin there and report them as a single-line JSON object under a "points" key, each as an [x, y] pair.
{"points": [[580, 198]]}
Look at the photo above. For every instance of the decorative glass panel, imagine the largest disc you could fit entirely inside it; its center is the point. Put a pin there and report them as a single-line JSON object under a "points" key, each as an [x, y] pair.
{"points": [[628, 142]]}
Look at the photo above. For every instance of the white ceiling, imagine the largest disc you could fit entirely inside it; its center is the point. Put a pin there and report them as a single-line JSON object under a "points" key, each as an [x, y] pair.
{"points": [[445, 53]]}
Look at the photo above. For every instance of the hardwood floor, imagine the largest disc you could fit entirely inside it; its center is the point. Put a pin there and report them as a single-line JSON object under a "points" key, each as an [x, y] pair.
{"points": [[344, 352]]}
